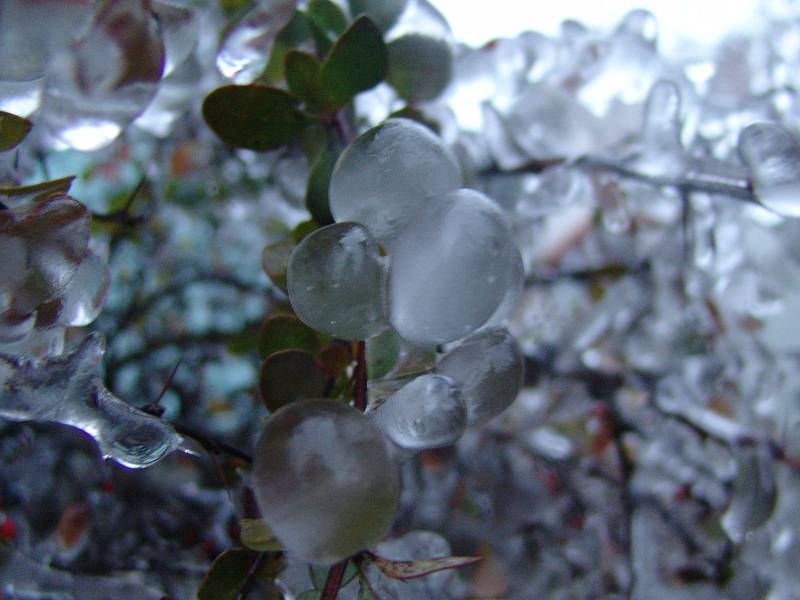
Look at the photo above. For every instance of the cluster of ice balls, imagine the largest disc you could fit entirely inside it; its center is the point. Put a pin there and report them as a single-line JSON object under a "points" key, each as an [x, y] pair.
{"points": [[412, 251]]}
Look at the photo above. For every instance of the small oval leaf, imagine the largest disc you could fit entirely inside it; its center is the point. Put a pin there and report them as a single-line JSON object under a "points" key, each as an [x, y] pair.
{"points": [[410, 569], [275, 262], [256, 117], [357, 62], [255, 535], [327, 16], [227, 574], [420, 67], [13, 130], [290, 375], [303, 75], [286, 332]]}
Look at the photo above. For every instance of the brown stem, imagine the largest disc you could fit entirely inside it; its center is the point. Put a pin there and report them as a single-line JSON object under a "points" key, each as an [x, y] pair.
{"points": [[250, 578], [360, 377], [333, 581]]}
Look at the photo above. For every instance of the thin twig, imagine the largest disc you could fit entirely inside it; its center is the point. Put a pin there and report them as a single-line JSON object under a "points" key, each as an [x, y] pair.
{"points": [[360, 377]]}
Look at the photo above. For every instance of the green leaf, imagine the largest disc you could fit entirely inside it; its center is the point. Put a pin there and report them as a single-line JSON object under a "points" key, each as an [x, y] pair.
{"points": [[286, 332], [357, 62], [13, 130], [319, 180], [275, 261], [410, 569], [384, 13], [327, 16], [255, 535], [38, 191], [256, 117], [290, 375], [304, 77], [302, 229], [319, 575], [294, 34], [420, 67], [227, 575], [383, 351]]}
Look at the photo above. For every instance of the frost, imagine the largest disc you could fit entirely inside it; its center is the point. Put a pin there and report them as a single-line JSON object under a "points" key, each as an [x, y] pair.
{"points": [[68, 390]]}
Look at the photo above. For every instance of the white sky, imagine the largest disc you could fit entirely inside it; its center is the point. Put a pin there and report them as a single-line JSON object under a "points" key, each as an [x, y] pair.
{"points": [[478, 21]]}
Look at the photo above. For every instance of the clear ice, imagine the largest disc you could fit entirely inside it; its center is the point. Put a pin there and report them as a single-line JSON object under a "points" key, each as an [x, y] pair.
{"points": [[428, 412], [449, 268], [324, 480], [68, 390], [247, 44], [336, 282], [388, 174], [773, 156], [98, 85], [488, 368]]}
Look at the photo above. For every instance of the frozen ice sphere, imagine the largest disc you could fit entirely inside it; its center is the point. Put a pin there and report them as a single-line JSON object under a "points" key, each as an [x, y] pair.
{"points": [[388, 174], [773, 156], [488, 368], [324, 480], [247, 45], [336, 282], [428, 412], [68, 390], [97, 86], [449, 268]]}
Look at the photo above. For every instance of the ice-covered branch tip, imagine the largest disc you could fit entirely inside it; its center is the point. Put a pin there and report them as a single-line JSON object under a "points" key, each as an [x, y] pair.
{"points": [[68, 390]]}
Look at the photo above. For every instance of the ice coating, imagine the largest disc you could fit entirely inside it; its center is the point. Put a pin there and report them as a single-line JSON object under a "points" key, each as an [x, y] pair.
{"points": [[773, 156], [449, 268], [661, 153], [246, 46], [179, 29], [336, 282], [388, 174], [98, 85], [324, 480], [428, 412], [68, 390], [488, 368]]}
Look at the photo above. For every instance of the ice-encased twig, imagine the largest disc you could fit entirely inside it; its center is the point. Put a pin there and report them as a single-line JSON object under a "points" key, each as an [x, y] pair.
{"points": [[68, 389]]}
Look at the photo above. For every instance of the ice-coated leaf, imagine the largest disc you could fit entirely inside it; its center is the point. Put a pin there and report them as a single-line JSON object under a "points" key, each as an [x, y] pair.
{"points": [[388, 174], [449, 268], [286, 332], [754, 495], [488, 367], [256, 117], [38, 191], [317, 195], [428, 412], [84, 297], [410, 569], [290, 375], [773, 156], [420, 67], [68, 390], [97, 86], [246, 45], [384, 13], [356, 63], [336, 282], [13, 130], [179, 25], [383, 352], [255, 535], [324, 480]]}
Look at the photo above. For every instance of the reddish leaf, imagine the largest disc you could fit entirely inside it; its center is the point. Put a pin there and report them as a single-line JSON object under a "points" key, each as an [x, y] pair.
{"points": [[410, 569]]}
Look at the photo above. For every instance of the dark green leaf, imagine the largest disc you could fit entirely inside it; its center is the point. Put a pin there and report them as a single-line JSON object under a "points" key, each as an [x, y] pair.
{"points": [[286, 332], [382, 353], [255, 535], [38, 191], [303, 75], [319, 179], [384, 13], [357, 62], [293, 35], [13, 130], [290, 375], [275, 261], [302, 229], [335, 357], [420, 67], [256, 117], [227, 574], [327, 16], [410, 569], [414, 114]]}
